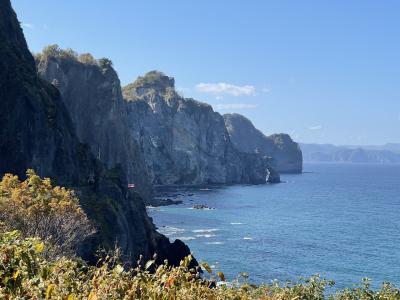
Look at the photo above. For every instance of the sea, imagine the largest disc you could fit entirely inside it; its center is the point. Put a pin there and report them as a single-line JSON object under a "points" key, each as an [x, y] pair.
{"points": [[341, 221]]}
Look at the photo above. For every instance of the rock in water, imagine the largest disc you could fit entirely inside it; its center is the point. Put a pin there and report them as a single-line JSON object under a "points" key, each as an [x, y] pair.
{"points": [[36, 132], [184, 141], [285, 155]]}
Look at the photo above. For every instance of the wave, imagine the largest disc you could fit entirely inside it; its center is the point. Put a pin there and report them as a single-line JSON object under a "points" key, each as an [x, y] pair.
{"points": [[205, 230], [205, 235], [236, 223], [247, 238], [214, 243], [185, 238], [169, 230]]}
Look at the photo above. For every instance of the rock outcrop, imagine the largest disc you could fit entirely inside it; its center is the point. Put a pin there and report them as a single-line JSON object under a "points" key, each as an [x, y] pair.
{"points": [[286, 156], [91, 92], [36, 132], [184, 141]]}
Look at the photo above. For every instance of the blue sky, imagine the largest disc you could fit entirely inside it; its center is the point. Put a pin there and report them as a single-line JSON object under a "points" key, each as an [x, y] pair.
{"points": [[322, 71]]}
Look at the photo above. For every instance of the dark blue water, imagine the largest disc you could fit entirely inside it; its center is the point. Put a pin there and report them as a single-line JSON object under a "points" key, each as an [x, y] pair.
{"points": [[339, 220]]}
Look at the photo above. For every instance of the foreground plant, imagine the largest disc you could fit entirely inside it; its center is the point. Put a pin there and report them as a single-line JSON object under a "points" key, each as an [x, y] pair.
{"points": [[37, 209], [25, 273]]}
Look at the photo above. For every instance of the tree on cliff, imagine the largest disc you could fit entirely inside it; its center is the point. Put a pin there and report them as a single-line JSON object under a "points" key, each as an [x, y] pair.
{"points": [[37, 209]]}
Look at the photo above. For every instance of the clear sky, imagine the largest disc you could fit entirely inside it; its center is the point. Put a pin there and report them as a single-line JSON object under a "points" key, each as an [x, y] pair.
{"points": [[323, 71]]}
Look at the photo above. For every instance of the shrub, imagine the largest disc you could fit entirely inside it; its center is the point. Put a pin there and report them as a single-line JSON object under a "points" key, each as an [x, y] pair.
{"points": [[25, 273], [104, 63], [37, 209], [87, 58], [55, 51], [51, 50]]}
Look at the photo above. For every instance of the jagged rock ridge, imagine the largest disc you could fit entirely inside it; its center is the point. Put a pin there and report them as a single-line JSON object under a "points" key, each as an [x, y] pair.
{"points": [[286, 156], [36, 132], [184, 141]]}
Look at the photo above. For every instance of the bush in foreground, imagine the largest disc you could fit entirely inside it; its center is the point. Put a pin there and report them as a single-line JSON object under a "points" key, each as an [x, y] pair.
{"points": [[37, 209], [25, 273]]}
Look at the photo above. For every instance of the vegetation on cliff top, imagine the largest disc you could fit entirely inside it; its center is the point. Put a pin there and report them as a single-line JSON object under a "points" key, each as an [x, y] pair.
{"points": [[69, 54], [35, 208], [153, 81]]}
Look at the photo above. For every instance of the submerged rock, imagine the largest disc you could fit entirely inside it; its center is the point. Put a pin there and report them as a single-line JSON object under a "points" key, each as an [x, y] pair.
{"points": [[165, 202], [202, 206]]}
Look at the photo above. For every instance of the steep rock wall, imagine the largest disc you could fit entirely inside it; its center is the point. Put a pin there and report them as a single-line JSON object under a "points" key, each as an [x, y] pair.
{"points": [[183, 140]]}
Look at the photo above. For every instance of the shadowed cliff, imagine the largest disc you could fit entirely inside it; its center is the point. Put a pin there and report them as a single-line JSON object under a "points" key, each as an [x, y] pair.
{"points": [[91, 92], [36, 132]]}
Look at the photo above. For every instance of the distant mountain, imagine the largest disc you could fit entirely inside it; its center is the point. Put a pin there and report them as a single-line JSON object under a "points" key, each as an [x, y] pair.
{"points": [[388, 147], [385, 154]]}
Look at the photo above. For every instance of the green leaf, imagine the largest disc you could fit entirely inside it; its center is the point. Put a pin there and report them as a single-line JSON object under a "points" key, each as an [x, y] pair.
{"points": [[149, 264], [39, 247], [16, 274], [187, 260], [221, 276], [119, 269], [206, 266], [49, 290]]}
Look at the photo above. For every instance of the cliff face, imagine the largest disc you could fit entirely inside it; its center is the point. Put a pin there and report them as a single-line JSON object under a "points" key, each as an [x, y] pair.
{"points": [[184, 141], [286, 154], [91, 92], [36, 132]]}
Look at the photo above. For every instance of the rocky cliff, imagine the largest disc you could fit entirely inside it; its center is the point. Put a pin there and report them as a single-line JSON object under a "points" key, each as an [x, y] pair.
{"points": [[286, 156], [91, 92], [37, 132], [184, 141]]}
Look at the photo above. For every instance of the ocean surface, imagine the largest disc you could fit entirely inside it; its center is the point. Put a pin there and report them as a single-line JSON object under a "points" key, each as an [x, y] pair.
{"points": [[341, 221]]}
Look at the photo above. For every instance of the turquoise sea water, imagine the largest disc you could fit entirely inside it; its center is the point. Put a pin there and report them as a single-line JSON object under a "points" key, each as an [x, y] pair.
{"points": [[339, 220]]}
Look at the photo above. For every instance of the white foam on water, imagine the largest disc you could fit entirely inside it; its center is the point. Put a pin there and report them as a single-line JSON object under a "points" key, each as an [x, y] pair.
{"points": [[247, 238], [236, 223], [205, 235], [169, 230], [185, 238], [214, 243], [205, 230]]}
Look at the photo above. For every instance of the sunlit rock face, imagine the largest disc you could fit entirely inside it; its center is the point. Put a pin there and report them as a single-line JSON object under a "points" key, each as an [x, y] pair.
{"points": [[183, 140], [91, 92], [285, 154]]}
